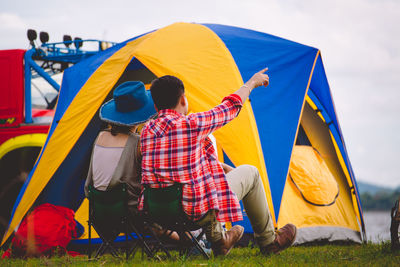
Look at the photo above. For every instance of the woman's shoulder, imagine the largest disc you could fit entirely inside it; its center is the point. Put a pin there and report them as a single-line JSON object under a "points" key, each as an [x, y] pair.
{"points": [[105, 138]]}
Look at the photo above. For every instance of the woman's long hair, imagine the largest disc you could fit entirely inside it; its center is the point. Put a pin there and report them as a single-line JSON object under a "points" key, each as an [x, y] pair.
{"points": [[116, 129]]}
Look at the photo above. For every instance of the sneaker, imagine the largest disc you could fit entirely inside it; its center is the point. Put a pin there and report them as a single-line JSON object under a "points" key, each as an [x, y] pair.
{"points": [[225, 244], [284, 238]]}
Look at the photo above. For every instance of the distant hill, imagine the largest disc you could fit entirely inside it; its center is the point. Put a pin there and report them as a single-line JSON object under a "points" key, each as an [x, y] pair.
{"points": [[372, 189]]}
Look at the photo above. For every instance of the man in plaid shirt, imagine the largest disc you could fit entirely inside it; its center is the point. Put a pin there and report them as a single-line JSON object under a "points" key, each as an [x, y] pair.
{"points": [[176, 149]]}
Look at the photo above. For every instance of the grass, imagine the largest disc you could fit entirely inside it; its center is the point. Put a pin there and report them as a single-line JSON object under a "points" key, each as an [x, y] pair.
{"points": [[327, 255]]}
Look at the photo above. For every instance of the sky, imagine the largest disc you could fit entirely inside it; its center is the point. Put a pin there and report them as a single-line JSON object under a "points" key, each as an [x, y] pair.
{"points": [[359, 41]]}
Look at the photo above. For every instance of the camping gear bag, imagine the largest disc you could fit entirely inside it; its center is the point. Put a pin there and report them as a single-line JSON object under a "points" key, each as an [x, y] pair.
{"points": [[46, 231]]}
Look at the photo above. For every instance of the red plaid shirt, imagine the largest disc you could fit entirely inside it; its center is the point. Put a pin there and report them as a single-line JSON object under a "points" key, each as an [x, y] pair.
{"points": [[176, 148]]}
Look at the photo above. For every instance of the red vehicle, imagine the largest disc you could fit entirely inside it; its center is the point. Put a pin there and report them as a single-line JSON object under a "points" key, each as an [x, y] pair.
{"points": [[27, 106]]}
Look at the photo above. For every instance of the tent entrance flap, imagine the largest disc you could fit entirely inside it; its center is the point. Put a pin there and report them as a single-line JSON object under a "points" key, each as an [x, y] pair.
{"points": [[312, 178]]}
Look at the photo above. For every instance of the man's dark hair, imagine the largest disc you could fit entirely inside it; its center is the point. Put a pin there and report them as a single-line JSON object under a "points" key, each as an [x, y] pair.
{"points": [[166, 91]]}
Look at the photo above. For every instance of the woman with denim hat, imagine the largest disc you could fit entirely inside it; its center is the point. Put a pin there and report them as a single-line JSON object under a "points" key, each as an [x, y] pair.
{"points": [[116, 155]]}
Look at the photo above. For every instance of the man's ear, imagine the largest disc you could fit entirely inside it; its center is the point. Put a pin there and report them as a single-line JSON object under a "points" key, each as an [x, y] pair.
{"points": [[182, 100]]}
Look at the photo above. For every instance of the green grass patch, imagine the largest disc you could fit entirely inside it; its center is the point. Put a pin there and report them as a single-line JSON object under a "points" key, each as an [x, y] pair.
{"points": [[327, 255]]}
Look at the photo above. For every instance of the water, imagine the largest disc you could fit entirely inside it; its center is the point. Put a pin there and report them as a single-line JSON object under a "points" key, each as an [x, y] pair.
{"points": [[377, 224]]}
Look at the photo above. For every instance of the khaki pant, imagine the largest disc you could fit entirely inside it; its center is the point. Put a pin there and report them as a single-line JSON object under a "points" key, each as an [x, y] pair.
{"points": [[246, 183]]}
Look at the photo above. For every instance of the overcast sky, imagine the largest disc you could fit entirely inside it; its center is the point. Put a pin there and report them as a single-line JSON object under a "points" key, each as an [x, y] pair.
{"points": [[359, 41]]}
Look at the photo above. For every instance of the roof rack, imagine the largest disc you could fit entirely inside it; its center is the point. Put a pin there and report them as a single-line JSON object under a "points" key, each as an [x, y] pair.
{"points": [[62, 52], [52, 58]]}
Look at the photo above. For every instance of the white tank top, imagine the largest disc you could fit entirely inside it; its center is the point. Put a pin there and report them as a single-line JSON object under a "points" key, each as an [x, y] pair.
{"points": [[105, 160]]}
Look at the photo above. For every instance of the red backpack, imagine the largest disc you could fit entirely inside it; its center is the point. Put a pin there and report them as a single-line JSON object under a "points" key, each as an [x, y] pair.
{"points": [[46, 231]]}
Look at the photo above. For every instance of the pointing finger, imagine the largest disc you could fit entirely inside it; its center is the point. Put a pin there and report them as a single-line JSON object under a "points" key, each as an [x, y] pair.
{"points": [[263, 70]]}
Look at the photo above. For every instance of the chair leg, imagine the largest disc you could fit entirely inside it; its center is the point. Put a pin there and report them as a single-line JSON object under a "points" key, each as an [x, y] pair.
{"points": [[106, 243], [142, 242], [126, 241], [183, 249], [90, 238], [130, 251], [198, 246], [159, 245], [134, 248], [100, 250]]}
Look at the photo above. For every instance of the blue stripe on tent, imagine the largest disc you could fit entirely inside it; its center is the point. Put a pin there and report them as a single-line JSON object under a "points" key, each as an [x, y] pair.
{"points": [[320, 88], [276, 108], [99, 241]]}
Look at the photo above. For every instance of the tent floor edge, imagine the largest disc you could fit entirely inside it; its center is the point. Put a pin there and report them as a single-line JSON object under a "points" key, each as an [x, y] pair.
{"points": [[327, 235]]}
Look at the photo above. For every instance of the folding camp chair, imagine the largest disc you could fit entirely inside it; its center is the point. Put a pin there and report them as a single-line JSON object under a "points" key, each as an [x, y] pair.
{"points": [[109, 216], [164, 207]]}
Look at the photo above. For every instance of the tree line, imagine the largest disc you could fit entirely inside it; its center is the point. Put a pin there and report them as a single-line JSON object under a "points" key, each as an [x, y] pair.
{"points": [[383, 200]]}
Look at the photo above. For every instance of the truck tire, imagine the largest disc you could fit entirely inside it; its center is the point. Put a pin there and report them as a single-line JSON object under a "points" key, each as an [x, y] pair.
{"points": [[14, 168]]}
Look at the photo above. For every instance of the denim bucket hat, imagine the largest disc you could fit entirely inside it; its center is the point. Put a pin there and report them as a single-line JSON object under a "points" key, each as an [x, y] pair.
{"points": [[131, 105]]}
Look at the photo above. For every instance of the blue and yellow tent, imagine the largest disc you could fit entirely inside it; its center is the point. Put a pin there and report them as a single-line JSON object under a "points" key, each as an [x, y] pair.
{"points": [[289, 130]]}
